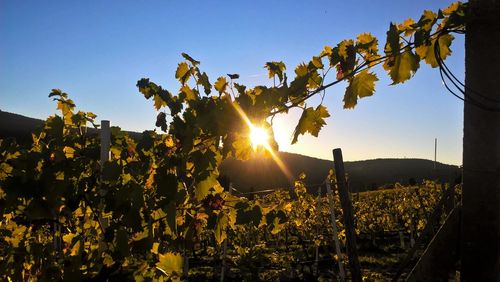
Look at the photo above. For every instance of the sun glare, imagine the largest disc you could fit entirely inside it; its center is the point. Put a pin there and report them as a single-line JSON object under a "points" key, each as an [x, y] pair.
{"points": [[258, 137]]}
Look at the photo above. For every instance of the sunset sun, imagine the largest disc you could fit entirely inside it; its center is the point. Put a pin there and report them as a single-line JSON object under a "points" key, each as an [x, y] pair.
{"points": [[258, 137]]}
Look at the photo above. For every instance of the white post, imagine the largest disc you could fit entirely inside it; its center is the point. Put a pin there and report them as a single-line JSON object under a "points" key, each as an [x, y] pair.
{"points": [[335, 232]]}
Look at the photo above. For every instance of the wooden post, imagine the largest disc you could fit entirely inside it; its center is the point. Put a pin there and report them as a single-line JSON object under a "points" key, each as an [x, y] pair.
{"points": [[335, 232], [316, 256], [105, 135], [401, 240], [224, 248], [346, 204], [105, 141]]}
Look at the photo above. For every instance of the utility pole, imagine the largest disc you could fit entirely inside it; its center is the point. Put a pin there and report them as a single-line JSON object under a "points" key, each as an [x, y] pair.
{"points": [[480, 246], [435, 151]]}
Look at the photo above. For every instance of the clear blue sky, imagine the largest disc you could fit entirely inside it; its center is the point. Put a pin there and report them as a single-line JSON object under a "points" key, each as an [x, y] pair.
{"points": [[97, 50]]}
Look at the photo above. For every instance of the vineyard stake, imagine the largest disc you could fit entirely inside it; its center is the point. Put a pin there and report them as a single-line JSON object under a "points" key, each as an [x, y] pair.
{"points": [[224, 247], [316, 257], [345, 201], [335, 231], [105, 135]]}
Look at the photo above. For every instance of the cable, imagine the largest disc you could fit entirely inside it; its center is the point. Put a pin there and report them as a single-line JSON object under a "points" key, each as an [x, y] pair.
{"points": [[443, 69]]}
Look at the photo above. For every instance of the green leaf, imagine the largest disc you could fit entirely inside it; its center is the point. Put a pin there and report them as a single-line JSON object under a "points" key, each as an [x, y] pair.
{"points": [[188, 93], [246, 214], [392, 44], [203, 80], [366, 41], [275, 68], [145, 87], [220, 228], [312, 120], [402, 67], [317, 63], [347, 56], [170, 263], [206, 187], [159, 102], [166, 183], [221, 84], [427, 51], [361, 85], [187, 57], [427, 20], [111, 171], [182, 72]]}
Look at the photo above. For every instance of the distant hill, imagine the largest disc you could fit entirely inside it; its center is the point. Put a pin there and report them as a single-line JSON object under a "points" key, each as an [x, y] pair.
{"points": [[17, 126], [20, 127], [263, 173]]}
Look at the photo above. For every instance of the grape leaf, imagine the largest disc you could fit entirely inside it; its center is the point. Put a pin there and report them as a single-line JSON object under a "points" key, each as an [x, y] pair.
{"points": [[221, 84], [193, 61], [188, 93], [427, 51], [402, 67], [392, 44], [203, 80], [311, 121], [220, 228], [206, 186], [361, 85], [170, 263], [275, 68], [182, 72]]}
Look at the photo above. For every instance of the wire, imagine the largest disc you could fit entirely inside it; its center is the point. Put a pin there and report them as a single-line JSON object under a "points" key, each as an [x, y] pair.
{"points": [[444, 71]]}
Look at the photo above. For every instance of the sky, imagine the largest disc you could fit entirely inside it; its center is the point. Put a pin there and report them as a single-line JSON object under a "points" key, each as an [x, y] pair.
{"points": [[97, 50]]}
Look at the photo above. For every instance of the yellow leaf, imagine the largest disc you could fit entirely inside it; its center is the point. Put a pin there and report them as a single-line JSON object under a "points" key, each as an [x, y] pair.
{"points": [[169, 141], [368, 40], [221, 84], [327, 51], [190, 94], [427, 51], [288, 207], [343, 48], [154, 248], [406, 26], [75, 249], [452, 8], [170, 263], [108, 260], [69, 152], [182, 72]]}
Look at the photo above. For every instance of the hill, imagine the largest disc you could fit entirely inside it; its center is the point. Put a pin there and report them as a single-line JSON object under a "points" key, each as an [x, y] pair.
{"points": [[20, 127], [263, 173]]}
